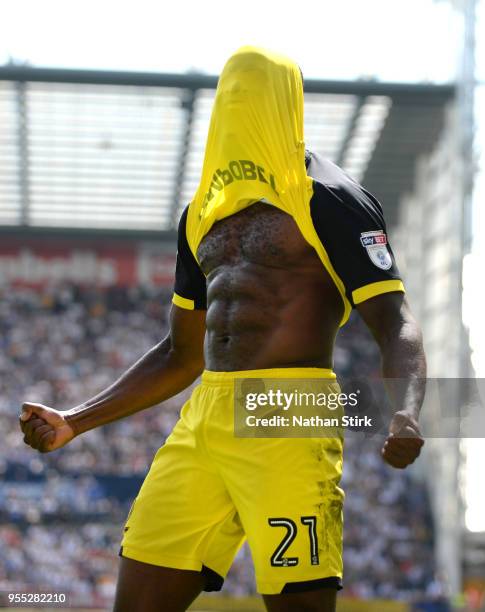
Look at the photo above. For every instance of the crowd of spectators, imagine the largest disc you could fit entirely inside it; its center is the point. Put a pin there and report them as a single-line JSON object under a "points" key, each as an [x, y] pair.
{"points": [[61, 514]]}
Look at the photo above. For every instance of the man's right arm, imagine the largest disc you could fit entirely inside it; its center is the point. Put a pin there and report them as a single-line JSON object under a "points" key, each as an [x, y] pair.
{"points": [[165, 370]]}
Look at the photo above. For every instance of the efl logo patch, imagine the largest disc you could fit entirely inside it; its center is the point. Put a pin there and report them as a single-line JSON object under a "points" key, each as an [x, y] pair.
{"points": [[376, 246]]}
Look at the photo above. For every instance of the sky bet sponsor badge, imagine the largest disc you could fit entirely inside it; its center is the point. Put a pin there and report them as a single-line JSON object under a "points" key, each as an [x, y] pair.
{"points": [[376, 245]]}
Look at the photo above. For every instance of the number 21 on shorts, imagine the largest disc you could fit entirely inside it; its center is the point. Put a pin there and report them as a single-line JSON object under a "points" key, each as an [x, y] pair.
{"points": [[278, 558]]}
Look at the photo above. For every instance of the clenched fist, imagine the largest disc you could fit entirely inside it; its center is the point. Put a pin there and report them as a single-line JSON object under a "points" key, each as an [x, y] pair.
{"points": [[44, 429], [404, 442]]}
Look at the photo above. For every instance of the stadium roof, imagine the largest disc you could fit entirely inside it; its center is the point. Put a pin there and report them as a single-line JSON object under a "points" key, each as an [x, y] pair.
{"points": [[123, 151]]}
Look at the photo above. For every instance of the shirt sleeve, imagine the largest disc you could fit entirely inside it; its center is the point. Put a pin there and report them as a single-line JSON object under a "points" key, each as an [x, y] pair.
{"points": [[190, 291], [350, 224]]}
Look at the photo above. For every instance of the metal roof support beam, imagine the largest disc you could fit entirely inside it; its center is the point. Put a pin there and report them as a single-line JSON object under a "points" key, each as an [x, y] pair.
{"points": [[350, 130], [23, 153], [403, 91], [187, 104]]}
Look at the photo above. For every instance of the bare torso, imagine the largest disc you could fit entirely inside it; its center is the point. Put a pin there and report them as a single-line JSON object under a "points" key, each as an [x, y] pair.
{"points": [[271, 303]]}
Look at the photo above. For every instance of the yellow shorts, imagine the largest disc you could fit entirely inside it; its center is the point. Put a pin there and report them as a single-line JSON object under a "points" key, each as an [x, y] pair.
{"points": [[208, 490]]}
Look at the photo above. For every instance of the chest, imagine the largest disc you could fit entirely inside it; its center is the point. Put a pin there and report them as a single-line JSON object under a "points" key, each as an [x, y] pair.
{"points": [[260, 234]]}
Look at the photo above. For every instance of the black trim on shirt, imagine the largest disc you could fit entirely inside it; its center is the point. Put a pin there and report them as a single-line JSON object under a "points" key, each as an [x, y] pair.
{"points": [[342, 211], [190, 282]]}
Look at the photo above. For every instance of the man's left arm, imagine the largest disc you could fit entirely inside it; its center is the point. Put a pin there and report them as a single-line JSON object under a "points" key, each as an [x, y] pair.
{"points": [[398, 335]]}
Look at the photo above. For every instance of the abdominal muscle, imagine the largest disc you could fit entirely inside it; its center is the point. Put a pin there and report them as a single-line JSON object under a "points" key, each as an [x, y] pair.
{"points": [[271, 303], [260, 318]]}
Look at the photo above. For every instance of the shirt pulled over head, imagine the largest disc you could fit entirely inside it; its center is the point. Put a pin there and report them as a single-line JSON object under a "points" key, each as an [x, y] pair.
{"points": [[255, 147]]}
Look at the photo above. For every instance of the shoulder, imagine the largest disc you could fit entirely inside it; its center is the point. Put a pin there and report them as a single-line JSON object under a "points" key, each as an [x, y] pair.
{"points": [[182, 229], [183, 217], [336, 193]]}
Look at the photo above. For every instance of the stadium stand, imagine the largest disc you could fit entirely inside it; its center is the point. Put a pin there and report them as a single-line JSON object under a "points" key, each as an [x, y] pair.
{"points": [[61, 514]]}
